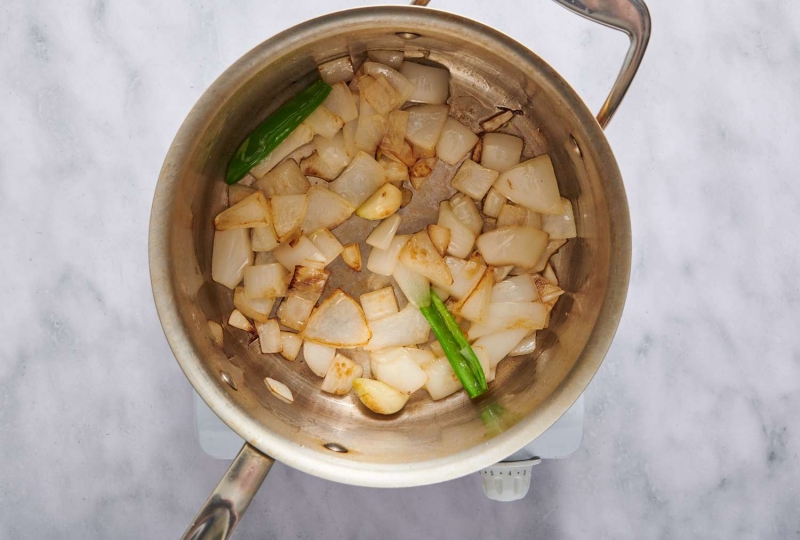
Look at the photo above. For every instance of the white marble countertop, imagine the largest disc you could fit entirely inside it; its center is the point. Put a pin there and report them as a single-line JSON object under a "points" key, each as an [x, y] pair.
{"points": [[692, 422]]}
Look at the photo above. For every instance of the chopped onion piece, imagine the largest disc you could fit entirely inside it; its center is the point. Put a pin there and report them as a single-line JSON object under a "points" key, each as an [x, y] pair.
{"points": [[309, 282], [425, 125], [407, 327], [359, 180], [466, 212], [263, 238], [475, 307], [401, 84], [526, 345], [379, 397], [561, 225], [466, 275], [291, 345], [231, 254], [511, 214], [501, 272], [294, 311], [521, 246], [421, 171], [493, 203], [326, 209], [407, 196], [315, 166], [247, 180], [285, 179], [477, 152], [497, 121], [534, 219], [552, 247], [548, 292], [455, 142], [265, 257], [383, 261], [370, 132], [238, 192], [415, 286], [371, 125], [302, 152], [489, 370], [474, 180], [381, 204], [381, 236], [255, 308], [441, 293], [327, 244], [279, 389], [461, 237], [405, 155], [500, 151], [252, 211], [442, 380], [440, 236], [510, 315], [318, 357], [324, 122], [393, 59], [216, 332], [436, 348], [336, 71], [379, 304], [237, 320], [382, 96], [515, 289], [396, 172], [532, 184], [340, 102], [349, 138], [301, 135], [549, 274], [396, 126], [338, 322], [269, 336], [333, 151], [499, 345], [300, 252], [431, 84], [396, 368], [340, 376], [419, 255], [288, 213], [266, 281], [420, 356], [351, 255]]}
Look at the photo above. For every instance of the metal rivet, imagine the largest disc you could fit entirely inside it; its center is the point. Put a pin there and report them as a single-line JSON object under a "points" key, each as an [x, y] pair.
{"points": [[228, 379], [407, 35], [575, 146], [335, 447]]}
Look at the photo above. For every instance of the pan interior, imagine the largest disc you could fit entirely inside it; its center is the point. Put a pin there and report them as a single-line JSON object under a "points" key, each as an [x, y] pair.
{"points": [[488, 71]]}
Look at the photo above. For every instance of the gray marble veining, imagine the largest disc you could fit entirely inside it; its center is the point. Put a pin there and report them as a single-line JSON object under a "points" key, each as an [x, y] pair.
{"points": [[692, 427]]}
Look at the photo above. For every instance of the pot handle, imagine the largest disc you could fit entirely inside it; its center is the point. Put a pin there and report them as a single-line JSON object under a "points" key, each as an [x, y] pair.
{"points": [[227, 504], [629, 16]]}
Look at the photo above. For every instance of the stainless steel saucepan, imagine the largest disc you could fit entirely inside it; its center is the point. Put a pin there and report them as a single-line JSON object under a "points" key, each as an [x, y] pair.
{"points": [[335, 437]]}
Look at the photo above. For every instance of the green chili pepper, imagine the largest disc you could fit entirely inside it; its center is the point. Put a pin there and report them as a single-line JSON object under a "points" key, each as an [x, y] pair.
{"points": [[463, 345], [459, 353], [275, 129]]}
